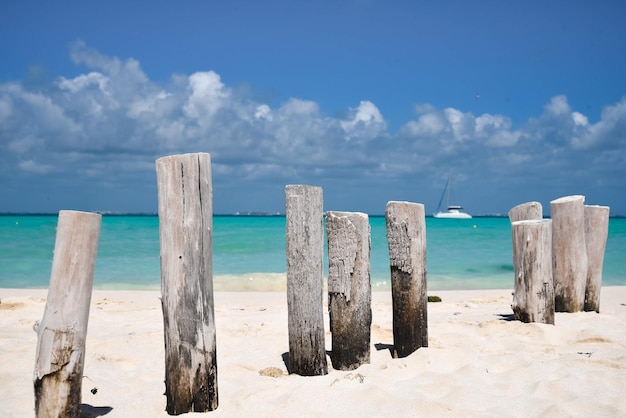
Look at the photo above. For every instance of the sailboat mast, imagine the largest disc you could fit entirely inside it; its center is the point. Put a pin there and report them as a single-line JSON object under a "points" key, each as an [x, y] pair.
{"points": [[444, 194]]}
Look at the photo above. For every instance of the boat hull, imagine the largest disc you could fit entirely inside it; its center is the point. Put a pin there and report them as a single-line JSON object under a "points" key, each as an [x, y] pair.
{"points": [[452, 215]]}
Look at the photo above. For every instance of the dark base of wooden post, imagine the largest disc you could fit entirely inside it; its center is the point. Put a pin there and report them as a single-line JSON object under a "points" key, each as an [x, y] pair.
{"points": [[201, 393], [48, 403], [410, 326], [351, 334]]}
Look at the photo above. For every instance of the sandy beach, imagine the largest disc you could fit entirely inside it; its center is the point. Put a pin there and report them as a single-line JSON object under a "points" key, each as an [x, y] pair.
{"points": [[479, 361]]}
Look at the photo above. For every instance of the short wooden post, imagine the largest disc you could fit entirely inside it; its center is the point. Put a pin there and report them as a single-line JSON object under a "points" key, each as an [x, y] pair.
{"points": [[533, 299], [596, 234], [526, 211], [406, 237], [185, 230], [349, 288], [305, 280], [62, 332], [569, 253]]}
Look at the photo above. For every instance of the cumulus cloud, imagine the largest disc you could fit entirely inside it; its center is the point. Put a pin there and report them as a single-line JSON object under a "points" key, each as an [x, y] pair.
{"points": [[124, 72], [608, 132], [364, 122], [558, 106], [207, 95], [428, 124], [451, 128], [113, 115], [84, 81], [562, 131], [263, 112]]}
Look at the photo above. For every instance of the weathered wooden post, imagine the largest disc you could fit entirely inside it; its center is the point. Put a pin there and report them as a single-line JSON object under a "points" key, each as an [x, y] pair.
{"points": [[526, 211], [349, 288], [406, 237], [185, 230], [62, 332], [533, 299], [569, 253], [305, 280], [596, 234]]}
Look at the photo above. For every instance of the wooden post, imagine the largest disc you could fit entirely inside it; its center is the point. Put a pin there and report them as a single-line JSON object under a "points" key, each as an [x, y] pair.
{"points": [[305, 280], [526, 211], [569, 253], [62, 332], [349, 288], [533, 299], [596, 234], [406, 237], [185, 230]]}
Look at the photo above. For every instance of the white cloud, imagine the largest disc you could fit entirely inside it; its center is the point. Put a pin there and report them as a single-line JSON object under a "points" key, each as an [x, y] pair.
{"points": [[558, 106], [564, 129], [208, 95], [488, 123], [38, 111], [171, 133], [297, 133], [128, 71], [429, 124], [609, 131], [87, 94], [504, 138], [365, 123], [84, 81], [580, 119], [496, 129], [152, 104], [450, 127], [462, 124], [299, 107], [366, 114], [263, 111]]}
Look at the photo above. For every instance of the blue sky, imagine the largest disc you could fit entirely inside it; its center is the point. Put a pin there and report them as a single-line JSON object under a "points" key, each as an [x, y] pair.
{"points": [[373, 101]]}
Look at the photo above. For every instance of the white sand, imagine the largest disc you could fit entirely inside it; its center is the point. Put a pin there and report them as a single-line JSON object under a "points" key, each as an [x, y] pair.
{"points": [[478, 363]]}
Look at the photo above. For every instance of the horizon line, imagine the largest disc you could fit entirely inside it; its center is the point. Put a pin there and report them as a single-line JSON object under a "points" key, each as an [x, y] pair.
{"points": [[246, 214]]}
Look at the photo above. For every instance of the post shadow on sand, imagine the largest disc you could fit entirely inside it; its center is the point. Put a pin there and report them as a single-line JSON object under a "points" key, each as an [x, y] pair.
{"points": [[507, 317], [89, 411], [285, 357], [381, 346], [378, 346]]}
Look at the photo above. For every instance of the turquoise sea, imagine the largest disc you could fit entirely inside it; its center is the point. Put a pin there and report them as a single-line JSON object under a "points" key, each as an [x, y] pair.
{"points": [[249, 252]]}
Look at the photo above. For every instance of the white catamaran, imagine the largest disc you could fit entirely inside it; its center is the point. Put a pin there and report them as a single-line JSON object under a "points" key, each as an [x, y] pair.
{"points": [[454, 211]]}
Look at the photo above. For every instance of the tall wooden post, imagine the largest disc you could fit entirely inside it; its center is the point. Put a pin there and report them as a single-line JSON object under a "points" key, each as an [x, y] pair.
{"points": [[569, 253], [185, 230], [533, 299], [406, 237], [62, 332], [349, 288], [305, 280], [526, 211], [596, 234]]}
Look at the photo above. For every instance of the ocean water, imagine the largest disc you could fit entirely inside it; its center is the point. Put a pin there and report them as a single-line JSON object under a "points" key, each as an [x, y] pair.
{"points": [[249, 253]]}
